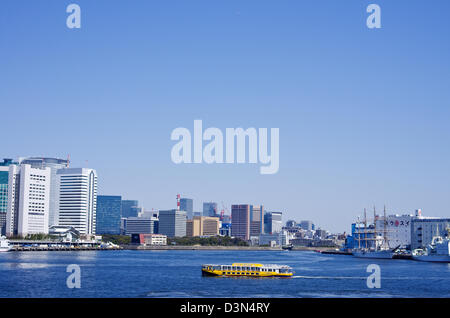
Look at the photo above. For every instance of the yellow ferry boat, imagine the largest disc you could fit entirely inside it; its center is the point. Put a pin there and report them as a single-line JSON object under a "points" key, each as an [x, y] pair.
{"points": [[247, 270]]}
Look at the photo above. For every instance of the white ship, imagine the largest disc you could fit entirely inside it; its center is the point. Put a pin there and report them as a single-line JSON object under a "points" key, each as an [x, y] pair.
{"points": [[371, 245], [437, 251], [4, 245]]}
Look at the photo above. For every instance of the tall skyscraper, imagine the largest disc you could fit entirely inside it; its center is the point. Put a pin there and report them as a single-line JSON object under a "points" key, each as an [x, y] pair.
{"points": [[28, 200], [188, 206], [109, 211], [240, 221], [77, 200], [256, 220], [210, 209], [54, 164], [172, 223], [130, 208]]}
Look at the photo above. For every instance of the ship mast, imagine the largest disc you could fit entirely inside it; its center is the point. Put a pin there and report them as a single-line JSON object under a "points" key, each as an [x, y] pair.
{"points": [[365, 228], [375, 227], [384, 229]]}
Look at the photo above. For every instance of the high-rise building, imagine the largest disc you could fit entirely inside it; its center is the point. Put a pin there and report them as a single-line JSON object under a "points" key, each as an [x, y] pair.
{"points": [[188, 206], [202, 226], [54, 164], [77, 202], [256, 220], [240, 221], [130, 208], [172, 223], [272, 222], [4, 172], [28, 200], [109, 208], [210, 209]]}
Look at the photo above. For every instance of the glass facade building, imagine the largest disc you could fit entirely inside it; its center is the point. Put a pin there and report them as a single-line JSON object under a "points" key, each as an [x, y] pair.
{"points": [[188, 206], [4, 176], [210, 209], [109, 210], [130, 208], [3, 199]]}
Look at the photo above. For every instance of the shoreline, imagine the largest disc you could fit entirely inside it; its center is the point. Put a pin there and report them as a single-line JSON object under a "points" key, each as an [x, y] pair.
{"points": [[216, 248], [172, 248]]}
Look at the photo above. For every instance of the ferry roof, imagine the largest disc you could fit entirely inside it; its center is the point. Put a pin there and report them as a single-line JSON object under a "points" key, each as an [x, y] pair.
{"points": [[277, 266]]}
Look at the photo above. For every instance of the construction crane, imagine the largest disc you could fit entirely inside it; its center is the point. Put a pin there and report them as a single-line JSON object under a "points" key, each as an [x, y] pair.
{"points": [[222, 212]]}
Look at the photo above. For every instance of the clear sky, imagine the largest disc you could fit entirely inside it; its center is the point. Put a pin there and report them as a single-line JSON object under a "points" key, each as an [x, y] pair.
{"points": [[364, 114]]}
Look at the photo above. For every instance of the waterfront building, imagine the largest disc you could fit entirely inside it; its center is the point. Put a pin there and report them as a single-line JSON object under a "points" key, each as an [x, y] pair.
{"points": [[397, 230], [28, 200], [130, 208], [425, 228], [256, 220], [210, 209], [109, 211], [141, 225], [4, 172], [275, 239], [202, 226], [320, 234], [291, 224], [272, 222], [240, 221], [307, 225], [188, 206], [172, 223], [149, 239], [64, 233], [54, 164], [77, 201]]}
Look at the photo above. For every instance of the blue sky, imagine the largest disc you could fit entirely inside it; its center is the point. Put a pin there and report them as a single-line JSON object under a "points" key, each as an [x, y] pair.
{"points": [[364, 114]]}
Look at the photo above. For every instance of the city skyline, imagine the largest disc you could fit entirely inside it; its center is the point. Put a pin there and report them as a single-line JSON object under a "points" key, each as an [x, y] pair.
{"points": [[362, 114]]}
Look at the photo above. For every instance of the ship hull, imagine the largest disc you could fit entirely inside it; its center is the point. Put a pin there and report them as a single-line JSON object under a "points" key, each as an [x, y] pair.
{"points": [[435, 258], [379, 254]]}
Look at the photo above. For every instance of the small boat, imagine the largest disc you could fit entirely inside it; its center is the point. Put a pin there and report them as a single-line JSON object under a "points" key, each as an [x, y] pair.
{"points": [[4, 245], [437, 251], [247, 270]]}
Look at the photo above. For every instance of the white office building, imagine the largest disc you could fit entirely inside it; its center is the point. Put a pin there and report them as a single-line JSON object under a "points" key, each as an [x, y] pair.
{"points": [[77, 201], [28, 200], [54, 164]]}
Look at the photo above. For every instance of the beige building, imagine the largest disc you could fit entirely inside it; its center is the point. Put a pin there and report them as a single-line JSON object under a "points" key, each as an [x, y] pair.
{"points": [[202, 226]]}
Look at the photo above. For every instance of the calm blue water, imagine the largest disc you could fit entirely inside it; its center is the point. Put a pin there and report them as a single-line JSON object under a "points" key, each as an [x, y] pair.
{"points": [[177, 274]]}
